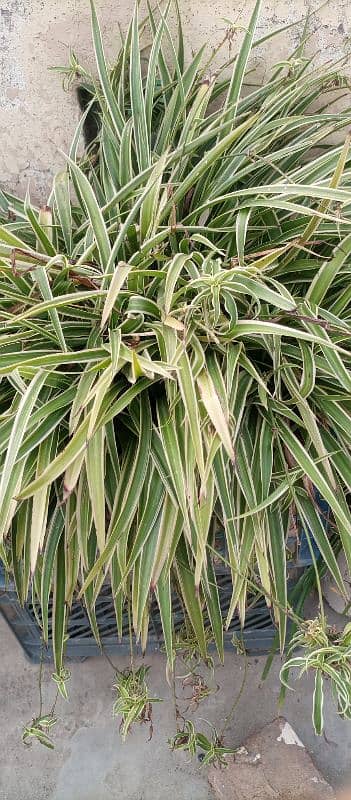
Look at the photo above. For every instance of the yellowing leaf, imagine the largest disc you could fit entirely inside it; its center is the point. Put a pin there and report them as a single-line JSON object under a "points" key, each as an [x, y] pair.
{"points": [[215, 411], [119, 276]]}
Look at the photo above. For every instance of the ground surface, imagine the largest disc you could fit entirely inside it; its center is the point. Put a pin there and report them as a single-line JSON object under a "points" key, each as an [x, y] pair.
{"points": [[90, 762]]}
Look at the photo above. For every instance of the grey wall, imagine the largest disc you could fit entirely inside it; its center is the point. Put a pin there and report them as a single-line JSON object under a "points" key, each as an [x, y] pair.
{"points": [[37, 118]]}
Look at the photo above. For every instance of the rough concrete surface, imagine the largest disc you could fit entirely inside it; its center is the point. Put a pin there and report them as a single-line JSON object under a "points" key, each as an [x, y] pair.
{"points": [[273, 764], [37, 118], [90, 762]]}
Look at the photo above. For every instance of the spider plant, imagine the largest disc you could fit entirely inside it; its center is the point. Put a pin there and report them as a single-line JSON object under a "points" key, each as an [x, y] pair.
{"points": [[328, 654], [212, 751], [175, 340], [38, 729], [133, 702]]}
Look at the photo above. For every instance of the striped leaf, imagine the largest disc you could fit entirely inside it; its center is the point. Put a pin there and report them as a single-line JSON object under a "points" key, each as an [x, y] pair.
{"points": [[19, 427]]}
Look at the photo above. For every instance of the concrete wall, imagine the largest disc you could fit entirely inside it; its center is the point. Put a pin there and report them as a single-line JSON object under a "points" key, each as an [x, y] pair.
{"points": [[37, 118]]}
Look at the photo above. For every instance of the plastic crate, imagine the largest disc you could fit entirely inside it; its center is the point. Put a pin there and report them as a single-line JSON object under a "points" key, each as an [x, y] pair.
{"points": [[257, 635]]}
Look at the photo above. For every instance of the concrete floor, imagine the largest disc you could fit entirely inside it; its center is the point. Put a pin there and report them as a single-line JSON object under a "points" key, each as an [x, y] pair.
{"points": [[91, 763]]}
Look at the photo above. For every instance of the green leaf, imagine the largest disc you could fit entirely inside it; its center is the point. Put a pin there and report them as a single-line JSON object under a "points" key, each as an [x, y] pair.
{"points": [[95, 469], [215, 411], [45, 244], [137, 98], [163, 594], [40, 505], [312, 521], [127, 498], [237, 78], [61, 462], [59, 608], [63, 204], [84, 517], [277, 536], [308, 465], [318, 701], [152, 71], [313, 292], [149, 525], [94, 213], [19, 428], [327, 273], [211, 157], [120, 275], [308, 377], [150, 208], [188, 392], [169, 532], [54, 534], [254, 327], [241, 225], [142, 586], [174, 269], [211, 592], [171, 452], [258, 289], [109, 95], [265, 458], [126, 172], [40, 277], [190, 598]]}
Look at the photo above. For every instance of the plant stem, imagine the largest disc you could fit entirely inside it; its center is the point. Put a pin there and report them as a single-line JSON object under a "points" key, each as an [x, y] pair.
{"points": [[41, 678], [236, 701], [131, 648]]}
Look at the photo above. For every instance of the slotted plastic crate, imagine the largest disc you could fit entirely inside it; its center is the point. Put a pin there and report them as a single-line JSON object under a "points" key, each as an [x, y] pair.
{"points": [[257, 635]]}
